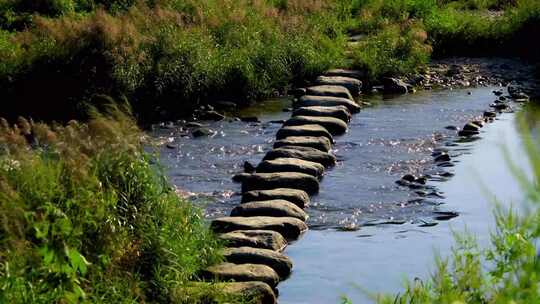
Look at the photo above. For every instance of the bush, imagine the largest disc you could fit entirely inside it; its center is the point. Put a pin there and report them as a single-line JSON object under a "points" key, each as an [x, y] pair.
{"points": [[86, 218], [393, 50]]}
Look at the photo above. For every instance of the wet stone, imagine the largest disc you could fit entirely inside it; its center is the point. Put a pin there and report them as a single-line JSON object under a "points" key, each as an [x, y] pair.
{"points": [[329, 90], [352, 84], [266, 181], [281, 264], [254, 292], [442, 158], [320, 143], [339, 112], [291, 165], [326, 101], [242, 273], [334, 125], [304, 130], [295, 196], [266, 239], [304, 153], [346, 73], [289, 227], [277, 208]]}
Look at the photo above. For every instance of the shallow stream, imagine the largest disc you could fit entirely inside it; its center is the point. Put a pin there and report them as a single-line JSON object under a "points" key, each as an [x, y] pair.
{"points": [[399, 230]]}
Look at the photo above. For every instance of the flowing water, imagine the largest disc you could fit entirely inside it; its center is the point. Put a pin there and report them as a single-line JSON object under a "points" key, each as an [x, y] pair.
{"points": [[400, 231]]}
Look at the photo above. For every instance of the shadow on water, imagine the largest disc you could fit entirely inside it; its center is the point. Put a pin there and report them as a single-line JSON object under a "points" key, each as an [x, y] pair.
{"points": [[399, 227]]}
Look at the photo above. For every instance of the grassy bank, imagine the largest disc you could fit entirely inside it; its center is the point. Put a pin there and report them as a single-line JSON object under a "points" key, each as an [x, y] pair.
{"points": [[85, 218], [169, 56]]}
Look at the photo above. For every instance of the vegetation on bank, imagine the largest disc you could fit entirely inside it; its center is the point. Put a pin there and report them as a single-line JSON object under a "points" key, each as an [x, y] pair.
{"points": [[86, 218], [168, 56], [505, 272]]}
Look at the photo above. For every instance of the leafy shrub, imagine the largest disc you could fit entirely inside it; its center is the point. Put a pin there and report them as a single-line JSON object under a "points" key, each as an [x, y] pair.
{"points": [[86, 218]]}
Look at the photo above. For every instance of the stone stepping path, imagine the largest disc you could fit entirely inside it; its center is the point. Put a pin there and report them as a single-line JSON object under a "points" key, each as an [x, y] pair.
{"points": [[273, 197]]}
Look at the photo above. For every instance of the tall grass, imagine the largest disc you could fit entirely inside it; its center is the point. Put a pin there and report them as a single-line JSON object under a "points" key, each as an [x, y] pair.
{"points": [[505, 272], [85, 217], [167, 55]]}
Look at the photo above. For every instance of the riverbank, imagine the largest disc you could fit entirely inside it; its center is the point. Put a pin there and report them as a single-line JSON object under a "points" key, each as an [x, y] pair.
{"points": [[169, 58]]}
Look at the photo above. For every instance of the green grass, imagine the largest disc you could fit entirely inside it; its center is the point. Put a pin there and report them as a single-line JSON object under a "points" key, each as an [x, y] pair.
{"points": [[508, 270], [167, 57], [85, 218]]}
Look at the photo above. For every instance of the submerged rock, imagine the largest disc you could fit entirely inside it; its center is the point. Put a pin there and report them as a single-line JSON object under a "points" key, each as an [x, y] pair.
{"points": [[275, 208], [352, 84], [281, 264], [266, 181], [291, 165], [326, 101], [304, 153], [289, 227], [319, 143], [334, 125], [443, 157], [295, 196], [329, 90], [339, 112], [200, 132], [304, 130], [266, 239], [242, 273]]}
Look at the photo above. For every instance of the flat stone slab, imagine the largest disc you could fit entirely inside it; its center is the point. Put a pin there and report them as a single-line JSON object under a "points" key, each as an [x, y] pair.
{"points": [[275, 260], [334, 125], [298, 197], [266, 181], [266, 239], [329, 90], [346, 73], [320, 143], [291, 165], [253, 292], [305, 153], [339, 112], [242, 273], [352, 84], [326, 101], [289, 227], [304, 130], [275, 208]]}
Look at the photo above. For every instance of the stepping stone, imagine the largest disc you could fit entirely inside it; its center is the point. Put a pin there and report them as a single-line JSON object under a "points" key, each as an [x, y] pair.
{"points": [[291, 165], [334, 125], [346, 73], [275, 260], [340, 112], [289, 227], [266, 239], [326, 101], [298, 197], [353, 85], [305, 153], [320, 143], [267, 181], [242, 273], [329, 90], [253, 292], [304, 130], [227, 292], [275, 208]]}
